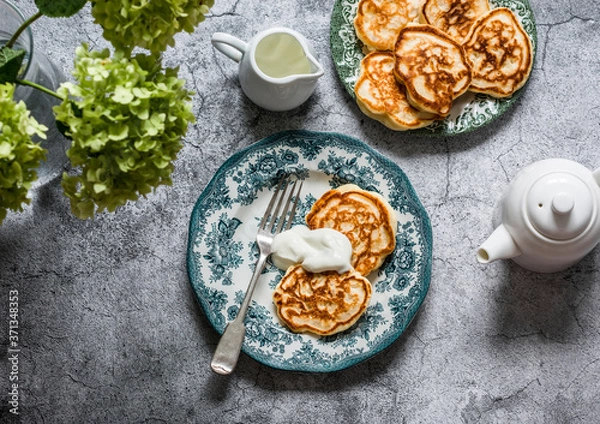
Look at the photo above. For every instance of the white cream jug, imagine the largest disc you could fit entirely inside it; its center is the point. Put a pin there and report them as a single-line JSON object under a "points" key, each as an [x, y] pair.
{"points": [[550, 217], [278, 69]]}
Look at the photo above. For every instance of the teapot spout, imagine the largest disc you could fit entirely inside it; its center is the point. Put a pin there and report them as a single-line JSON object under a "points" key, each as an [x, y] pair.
{"points": [[499, 245]]}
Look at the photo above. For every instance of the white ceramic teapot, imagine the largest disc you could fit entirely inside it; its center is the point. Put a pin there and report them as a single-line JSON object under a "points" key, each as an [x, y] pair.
{"points": [[278, 68], [550, 217]]}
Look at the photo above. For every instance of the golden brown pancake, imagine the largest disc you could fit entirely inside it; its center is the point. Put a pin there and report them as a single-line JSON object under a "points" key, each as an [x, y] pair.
{"points": [[454, 17], [499, 52], [377, 22], [432, 67], [324, 303], [381, 97], [364, 217]]}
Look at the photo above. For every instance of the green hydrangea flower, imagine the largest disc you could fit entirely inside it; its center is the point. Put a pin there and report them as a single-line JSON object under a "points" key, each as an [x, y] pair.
{"points": [[19, 154], [126, 118], [149, 24]]}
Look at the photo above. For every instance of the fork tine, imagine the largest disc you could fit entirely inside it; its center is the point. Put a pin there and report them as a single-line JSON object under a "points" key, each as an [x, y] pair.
{"points": [[294, 204], [269, 210], [274, 215], [293, 212]]}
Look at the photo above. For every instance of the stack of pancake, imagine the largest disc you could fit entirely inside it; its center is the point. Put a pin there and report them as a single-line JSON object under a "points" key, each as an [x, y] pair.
{"points": [[327, 303], [423, 54]]}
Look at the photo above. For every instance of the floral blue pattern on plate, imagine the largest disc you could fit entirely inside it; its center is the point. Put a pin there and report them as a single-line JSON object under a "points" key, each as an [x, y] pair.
{"points": [[469, 112], [222, 252]]}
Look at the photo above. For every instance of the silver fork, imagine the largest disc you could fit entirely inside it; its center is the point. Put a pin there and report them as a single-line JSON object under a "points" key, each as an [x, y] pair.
{"points": [[278, 217]]}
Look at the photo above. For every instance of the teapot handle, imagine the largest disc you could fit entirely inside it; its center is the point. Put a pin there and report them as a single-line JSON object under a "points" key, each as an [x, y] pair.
{"points": [[596, 174], [229, 45]]}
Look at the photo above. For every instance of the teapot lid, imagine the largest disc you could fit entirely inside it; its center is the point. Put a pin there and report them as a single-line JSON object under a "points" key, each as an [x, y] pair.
{"points": [[560, 205]]}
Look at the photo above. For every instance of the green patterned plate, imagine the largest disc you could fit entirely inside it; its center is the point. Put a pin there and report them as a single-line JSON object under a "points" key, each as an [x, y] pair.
{"points": [[222, 252], [470, 111]]}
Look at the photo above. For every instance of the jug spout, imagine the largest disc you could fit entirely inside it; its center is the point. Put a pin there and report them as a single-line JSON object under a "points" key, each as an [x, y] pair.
{"points": [[499, 245], [308, 78], [316, 70]]}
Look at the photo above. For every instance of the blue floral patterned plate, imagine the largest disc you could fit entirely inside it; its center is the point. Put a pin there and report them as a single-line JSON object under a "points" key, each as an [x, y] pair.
{"points": [[469, 112], [222, 252]]}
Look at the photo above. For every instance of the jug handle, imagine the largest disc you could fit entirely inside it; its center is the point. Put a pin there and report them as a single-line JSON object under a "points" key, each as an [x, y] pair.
{"points": [[229, 45]]}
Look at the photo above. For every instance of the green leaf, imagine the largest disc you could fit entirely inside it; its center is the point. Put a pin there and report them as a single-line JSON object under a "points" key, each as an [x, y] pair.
{"points": [[60, 8], [10, 64]]}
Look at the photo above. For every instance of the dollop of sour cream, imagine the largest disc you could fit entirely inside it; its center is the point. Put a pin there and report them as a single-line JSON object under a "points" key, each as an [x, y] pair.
{"points": [[319, 250]]}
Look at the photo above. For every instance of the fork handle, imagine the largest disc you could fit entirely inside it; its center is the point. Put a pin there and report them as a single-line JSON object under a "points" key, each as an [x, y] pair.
{"points": [[227, 353]]}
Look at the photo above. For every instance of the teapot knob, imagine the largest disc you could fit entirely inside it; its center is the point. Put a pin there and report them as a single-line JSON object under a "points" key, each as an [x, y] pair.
{"points": [[562, 203]]}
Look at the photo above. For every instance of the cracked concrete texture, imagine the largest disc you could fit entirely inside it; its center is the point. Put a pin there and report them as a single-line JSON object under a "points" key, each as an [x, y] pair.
{"points": [[110, 329]]}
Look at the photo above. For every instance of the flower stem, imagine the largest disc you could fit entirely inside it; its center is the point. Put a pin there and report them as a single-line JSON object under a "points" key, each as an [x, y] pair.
{"points": [[22, 28], [38, 87]]}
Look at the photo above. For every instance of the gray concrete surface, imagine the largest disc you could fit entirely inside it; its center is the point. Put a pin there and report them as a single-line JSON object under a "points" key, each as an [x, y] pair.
{"points": [[110, 330]]}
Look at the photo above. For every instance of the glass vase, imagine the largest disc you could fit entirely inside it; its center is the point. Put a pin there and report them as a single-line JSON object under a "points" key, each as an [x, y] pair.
{"points": [[39, 69]]}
